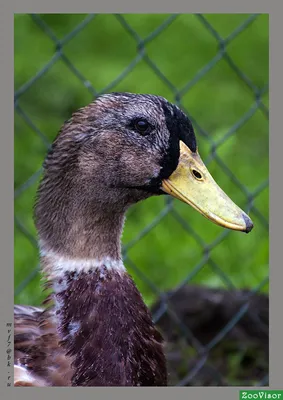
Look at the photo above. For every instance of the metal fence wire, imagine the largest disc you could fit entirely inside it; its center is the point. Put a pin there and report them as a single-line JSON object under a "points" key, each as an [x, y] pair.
{"points": [[202, 326]]}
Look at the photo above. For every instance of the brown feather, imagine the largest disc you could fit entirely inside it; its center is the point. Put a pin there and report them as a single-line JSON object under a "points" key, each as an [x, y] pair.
{"points": [[37, 350]]}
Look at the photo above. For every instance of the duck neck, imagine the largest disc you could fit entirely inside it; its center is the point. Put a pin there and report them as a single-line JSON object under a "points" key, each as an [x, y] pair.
{"points": [[104, 325], [81, 235]]}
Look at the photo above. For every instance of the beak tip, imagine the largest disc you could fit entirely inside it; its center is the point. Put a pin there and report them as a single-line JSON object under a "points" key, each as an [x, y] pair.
{"points": [[248, 222]]}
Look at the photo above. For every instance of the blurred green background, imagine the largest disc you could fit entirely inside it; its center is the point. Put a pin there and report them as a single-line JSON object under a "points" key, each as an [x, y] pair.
{"points": [[170, 64]]}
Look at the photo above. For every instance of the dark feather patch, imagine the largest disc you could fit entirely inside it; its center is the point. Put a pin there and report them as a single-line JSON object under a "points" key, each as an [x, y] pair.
{"points": [[114, 342], [179, 126]]}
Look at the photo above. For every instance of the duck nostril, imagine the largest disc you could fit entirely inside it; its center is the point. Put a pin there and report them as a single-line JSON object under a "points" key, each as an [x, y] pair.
{"points": [[197, 174]]}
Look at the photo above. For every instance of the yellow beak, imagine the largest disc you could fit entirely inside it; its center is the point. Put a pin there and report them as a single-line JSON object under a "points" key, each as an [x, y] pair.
{"points": [[192, 183]]}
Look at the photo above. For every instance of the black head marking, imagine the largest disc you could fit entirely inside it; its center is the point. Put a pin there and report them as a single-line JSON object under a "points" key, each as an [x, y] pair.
{"points": [[179, 126]]}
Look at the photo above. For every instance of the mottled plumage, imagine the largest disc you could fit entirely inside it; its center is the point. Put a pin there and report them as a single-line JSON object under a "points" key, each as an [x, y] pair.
{"points": [[41, 361]]}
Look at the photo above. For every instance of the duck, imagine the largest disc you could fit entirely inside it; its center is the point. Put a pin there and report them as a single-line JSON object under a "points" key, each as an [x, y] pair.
{"points": [[94, 329]]}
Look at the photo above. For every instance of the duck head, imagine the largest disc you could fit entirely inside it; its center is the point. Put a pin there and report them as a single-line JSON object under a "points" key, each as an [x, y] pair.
{"points": [[120, 149]]}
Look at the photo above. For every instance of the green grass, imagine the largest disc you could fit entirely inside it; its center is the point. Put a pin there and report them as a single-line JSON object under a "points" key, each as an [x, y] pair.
{"points": [[101, 51]]}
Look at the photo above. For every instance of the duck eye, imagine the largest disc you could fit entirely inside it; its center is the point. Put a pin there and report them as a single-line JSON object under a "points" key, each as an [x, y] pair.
{"points": [[142, 126]]}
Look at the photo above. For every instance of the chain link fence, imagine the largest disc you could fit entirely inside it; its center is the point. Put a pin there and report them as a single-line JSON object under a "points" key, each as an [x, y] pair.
{"points": [[209, 332]]}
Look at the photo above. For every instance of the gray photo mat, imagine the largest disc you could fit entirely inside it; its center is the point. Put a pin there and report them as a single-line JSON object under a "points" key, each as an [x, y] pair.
{"points": [[6, 159]]}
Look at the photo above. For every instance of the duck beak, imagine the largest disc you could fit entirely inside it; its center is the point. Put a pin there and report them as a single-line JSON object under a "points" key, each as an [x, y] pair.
{"points": [[192, 183]]}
